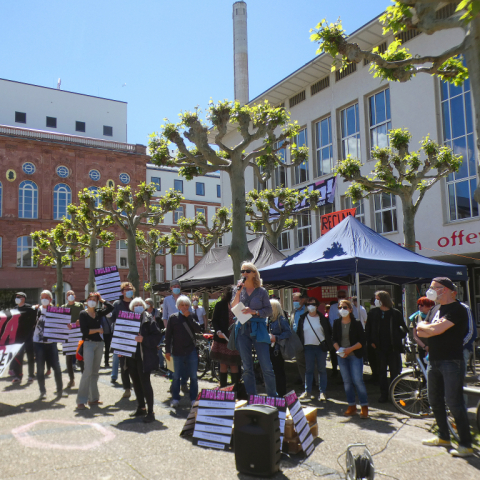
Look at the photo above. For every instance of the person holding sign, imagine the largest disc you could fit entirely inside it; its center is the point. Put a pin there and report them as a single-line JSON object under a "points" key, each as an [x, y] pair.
{"points": [[180, 344], [254, 333], [144, 360], [91, 326], [349, 341], [75, 309], [46, 351]]}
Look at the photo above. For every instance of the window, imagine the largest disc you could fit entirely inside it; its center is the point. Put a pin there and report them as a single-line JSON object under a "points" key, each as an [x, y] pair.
{"points": [[219, 191], [360, 212], [28, 168], [107, 131], [51, 122], [323, 132], [160, 272], [25, 252], [62, 197], [124, 178], [350, 132], [1, 197], [122, 254], [0, 252], [198, 250], [301, 171], [178, 185], [279, 177], [385, 213], [27, 200], [181, 250], [219, 242], [98, 258], [379, 116], [201, 210], [200, 188], [62, 171], [304, 230], [80, 126], [458, 133], [20, 117], [94, 190], [178, 270], [157, 182], [94, 175], [344, 72], [178, 213], [283, 243]]}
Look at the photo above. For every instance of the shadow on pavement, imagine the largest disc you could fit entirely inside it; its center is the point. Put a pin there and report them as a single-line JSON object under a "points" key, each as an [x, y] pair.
{"points": [[35, 406], [136, 425]]}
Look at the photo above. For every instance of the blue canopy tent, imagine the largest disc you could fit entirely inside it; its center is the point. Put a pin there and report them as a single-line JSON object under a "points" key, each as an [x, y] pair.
{"points": [[352, 253]]}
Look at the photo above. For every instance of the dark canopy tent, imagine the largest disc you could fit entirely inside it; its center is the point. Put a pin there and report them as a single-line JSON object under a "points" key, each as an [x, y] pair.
{"points": [[352, 248], [215, 270]]}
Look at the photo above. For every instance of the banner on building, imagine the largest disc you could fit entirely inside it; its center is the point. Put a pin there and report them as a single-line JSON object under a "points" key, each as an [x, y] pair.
{"points": [[330, 220]]}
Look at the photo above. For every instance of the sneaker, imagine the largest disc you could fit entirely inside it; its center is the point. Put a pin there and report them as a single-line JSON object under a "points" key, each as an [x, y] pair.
{"points": [[113, 381], [184, 389], [437, 442], [127, 394], [305, 397], [43, 395], [61, 394], [16, 380], [149, 418], [71, 384], [322, 397], [174, 403], [461, 452], [31, 379], [139, 412]]}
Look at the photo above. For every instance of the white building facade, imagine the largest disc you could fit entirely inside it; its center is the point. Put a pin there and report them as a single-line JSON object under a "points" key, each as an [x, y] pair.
{"points": [[350, 112]]}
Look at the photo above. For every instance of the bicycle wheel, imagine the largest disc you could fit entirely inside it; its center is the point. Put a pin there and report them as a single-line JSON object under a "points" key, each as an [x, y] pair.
{"points": [[408, 393], [203, 361], [215, 366], [452, 426]]}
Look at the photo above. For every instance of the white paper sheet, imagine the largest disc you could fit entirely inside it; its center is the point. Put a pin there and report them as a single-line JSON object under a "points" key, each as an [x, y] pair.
{"points": [[237, 311]]}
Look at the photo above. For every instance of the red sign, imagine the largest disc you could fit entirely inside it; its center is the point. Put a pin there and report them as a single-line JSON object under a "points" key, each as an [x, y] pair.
{"points": [[330, 220]]}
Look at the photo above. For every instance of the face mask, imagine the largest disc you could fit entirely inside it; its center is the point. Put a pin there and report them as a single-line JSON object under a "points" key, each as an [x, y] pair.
{"points": [[18, 301], [195, 304], [45, 301], [378, 303], [176, 291], [431, 294], [138, 309], [312, 308], [129, 294], [344, 313], [71, 298], [423, 315], [92, 303], [296, 305]]}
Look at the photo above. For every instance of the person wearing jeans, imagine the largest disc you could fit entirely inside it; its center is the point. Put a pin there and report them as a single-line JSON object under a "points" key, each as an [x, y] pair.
{"points": [[254, 333], [180, 344], [348, 335]]}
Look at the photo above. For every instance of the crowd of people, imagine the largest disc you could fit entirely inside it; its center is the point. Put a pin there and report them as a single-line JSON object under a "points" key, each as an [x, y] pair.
{"points": [[442, 327]]}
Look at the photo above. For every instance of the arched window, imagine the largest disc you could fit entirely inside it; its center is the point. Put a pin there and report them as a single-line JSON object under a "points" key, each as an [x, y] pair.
{"points": [[27, 200], [94, 190], [24, 252], [178, 270], [62, 197]]}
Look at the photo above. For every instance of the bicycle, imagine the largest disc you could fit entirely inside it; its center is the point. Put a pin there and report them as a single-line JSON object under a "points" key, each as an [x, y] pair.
{"points": [[205, 363]]}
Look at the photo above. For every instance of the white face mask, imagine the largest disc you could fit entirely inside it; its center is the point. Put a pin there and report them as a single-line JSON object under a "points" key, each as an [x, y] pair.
{"points": [[195, 303], [432, 294], [312, 308], [343, 312], [71, 298], [92, 303], [18, 301], [45, 302], [378, 303], [138, 309]]}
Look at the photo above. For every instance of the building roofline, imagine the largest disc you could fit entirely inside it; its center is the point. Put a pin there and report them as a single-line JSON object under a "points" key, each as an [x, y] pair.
{"points": [[64, 91], [176, 169]]}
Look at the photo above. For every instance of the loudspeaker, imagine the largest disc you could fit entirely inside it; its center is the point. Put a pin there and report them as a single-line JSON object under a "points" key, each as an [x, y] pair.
{"points": [[257, 440]]}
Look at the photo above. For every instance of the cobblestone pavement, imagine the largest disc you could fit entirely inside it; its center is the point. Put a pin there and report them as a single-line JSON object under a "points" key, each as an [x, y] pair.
{"points": [[48, 439]]}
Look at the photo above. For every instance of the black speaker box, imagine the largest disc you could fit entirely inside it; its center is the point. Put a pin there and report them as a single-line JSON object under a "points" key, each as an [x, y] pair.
{"points": [[257, 440]]}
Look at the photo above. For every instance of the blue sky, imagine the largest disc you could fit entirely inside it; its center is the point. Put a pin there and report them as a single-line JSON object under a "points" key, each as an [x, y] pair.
{"points": [[172, 55]]}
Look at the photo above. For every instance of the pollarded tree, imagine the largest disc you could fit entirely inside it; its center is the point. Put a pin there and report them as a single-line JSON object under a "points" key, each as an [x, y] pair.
{"points": [[398, 64], [270, 211], [129, 211], [54, 248], [155, 243], [407, 175], [88, 232], [257, 123]]}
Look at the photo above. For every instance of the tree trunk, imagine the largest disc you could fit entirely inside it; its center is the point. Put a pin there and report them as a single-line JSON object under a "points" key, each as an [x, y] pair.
{"points": [[472, 57], [153, 273], [59, 290], [93, 263], [409, 241], [238, 249], [132, 276]]}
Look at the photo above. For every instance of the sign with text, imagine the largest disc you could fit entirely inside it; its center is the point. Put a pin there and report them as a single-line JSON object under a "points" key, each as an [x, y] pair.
{"points": [[74, 336], [300, 422], [56, 324], [330, 220], [277, 402], [214, 423], [108, 283], [127, 327], [7, 354]]}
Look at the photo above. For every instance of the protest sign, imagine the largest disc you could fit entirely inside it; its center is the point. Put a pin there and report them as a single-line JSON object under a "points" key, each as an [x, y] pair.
{"points": [[108, 282], [127, 327]]}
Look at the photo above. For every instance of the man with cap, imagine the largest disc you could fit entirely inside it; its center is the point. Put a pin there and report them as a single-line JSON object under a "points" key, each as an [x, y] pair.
{"points": [[26, 327], [445, 329]]}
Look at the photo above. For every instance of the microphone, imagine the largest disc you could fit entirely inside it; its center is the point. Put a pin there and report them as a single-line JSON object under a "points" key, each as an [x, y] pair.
{"points": [[244, 279]]}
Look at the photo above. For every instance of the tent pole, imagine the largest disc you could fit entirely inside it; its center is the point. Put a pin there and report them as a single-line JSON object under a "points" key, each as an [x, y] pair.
{"points": [[357, 285]]}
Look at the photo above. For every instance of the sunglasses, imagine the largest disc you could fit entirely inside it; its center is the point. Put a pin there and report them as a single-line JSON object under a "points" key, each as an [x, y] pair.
{"points": [[343, 308], [245, 271]]}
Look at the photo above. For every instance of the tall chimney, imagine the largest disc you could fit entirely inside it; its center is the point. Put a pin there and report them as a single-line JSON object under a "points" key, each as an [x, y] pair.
{"points": [[240, 52]]}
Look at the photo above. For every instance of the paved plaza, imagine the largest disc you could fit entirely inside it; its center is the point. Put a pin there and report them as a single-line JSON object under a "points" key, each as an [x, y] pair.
{"points": [[49, 440]]}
